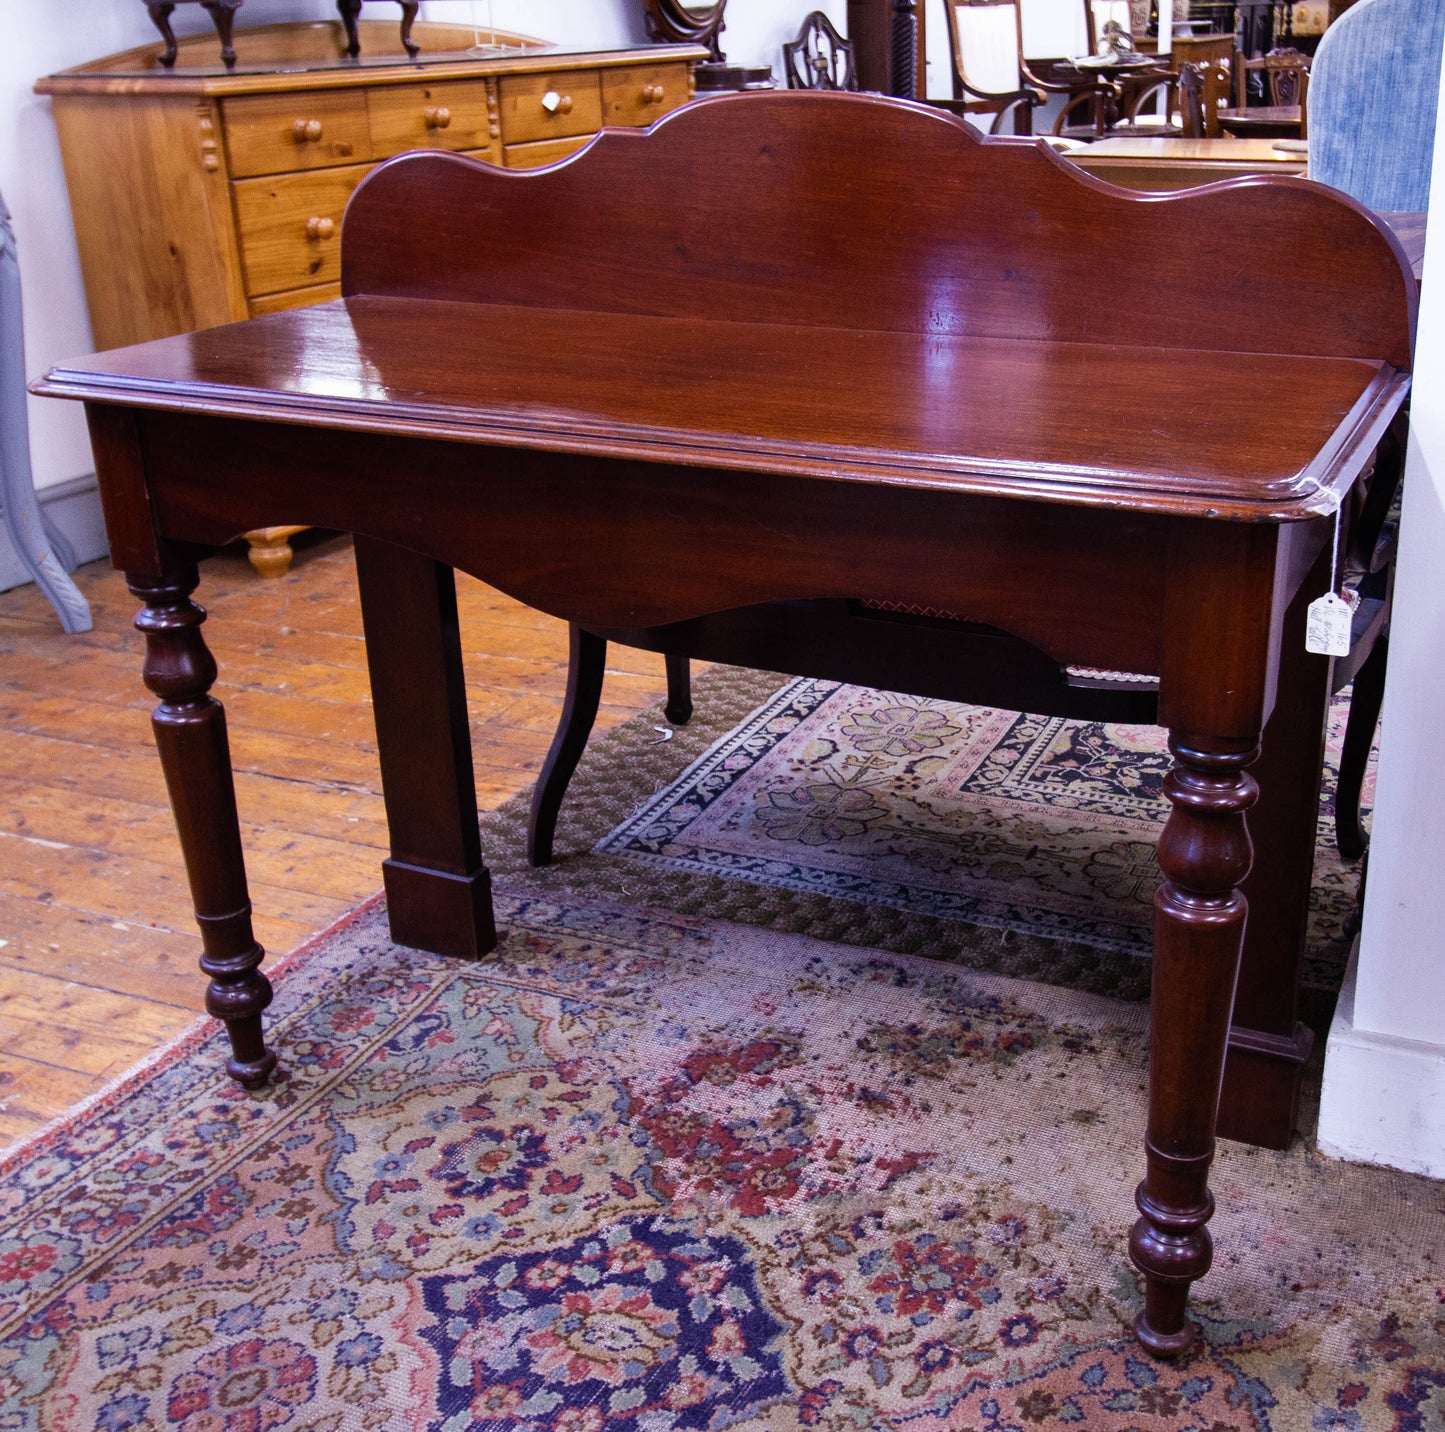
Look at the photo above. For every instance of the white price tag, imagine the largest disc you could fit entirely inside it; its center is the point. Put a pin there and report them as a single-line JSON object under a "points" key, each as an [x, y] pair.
{"points": [[1327, 625]]}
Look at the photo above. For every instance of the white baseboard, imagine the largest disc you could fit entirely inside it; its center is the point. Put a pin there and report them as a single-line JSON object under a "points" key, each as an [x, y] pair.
{"points": [[1383, 1100], [74, 509]]}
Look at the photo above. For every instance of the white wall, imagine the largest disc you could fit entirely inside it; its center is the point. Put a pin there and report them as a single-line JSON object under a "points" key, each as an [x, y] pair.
{"points": [[1384, 1095]]}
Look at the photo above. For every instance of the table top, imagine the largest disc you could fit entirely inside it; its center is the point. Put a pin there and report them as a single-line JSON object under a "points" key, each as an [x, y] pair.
{"points": [[943, 319], [1259, 152], [1268, 119], [1054, 422]]}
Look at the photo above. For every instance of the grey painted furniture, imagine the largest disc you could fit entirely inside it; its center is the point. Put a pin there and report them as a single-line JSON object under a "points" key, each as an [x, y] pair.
{"points": [[43, 551]]}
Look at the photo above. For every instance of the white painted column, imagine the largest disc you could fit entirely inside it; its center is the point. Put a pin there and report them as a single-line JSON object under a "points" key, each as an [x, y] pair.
{"points": [[1384, 1091]]}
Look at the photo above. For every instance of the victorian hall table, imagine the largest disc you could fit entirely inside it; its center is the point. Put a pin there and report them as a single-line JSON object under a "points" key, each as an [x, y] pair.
{"points": [[786, 347]]}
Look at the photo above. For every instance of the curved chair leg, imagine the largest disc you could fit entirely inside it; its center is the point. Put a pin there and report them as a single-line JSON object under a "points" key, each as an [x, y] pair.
{"points": [[678, 709], [585, 666], [1365, 701]]}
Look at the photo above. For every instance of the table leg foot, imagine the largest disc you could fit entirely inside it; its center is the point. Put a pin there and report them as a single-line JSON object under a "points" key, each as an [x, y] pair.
{"points": [[437, 911], [270, 550], [190, 732], [1259, 1103], [1199, 917]]}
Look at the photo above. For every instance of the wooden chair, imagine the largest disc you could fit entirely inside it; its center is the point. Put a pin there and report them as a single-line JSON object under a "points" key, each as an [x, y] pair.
{"points": [[820, 58], [1283, 74], [1204, 89], [991, 76]]}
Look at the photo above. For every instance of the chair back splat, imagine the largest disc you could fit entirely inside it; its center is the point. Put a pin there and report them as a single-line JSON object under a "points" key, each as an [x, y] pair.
{"points": [[820, 58]]}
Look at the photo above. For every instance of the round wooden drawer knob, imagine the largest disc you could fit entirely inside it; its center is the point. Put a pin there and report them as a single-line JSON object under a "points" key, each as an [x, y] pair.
{"points": [[306, 130], [437, 116], [555, 103], [652, 94], [320, 228]]}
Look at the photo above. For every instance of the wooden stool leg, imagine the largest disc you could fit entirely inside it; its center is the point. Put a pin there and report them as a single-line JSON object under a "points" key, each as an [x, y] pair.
{"points": [[1199, 917], [1366, 698], [586, 663], [349, 10], [678, 709], [223, 15], [190, 731], [160, 13]]}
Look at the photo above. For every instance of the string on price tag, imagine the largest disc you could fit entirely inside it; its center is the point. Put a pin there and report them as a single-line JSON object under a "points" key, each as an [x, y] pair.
{"points": [[1328, 618]]}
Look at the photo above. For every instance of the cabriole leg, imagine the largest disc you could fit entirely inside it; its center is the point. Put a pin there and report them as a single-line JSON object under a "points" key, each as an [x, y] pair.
{"points": [[190, 731], [1199, 917]]}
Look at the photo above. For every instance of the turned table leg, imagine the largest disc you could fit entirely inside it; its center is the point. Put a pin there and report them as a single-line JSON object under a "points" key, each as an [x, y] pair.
{"points": [[1199, 917], [190, 731]]}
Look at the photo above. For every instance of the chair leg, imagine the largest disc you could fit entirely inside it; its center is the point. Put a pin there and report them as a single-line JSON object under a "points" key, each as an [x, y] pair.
{"points": [[1365, 702], [585, 665], [678, 709]]}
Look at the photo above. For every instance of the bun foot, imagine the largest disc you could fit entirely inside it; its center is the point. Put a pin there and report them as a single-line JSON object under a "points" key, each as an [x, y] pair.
{"points": [[252, 1073]]}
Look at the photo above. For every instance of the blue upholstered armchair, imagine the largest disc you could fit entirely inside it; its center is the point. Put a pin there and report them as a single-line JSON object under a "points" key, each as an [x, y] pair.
{"points": [[1374, 87]]}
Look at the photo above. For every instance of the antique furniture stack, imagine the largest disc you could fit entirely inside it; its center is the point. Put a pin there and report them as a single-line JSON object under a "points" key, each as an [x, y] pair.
{"points": [[203, 194], [947, 442]]}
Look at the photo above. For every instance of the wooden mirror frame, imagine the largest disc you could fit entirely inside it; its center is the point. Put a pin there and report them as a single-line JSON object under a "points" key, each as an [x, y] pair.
{"points": [[674, 21]]}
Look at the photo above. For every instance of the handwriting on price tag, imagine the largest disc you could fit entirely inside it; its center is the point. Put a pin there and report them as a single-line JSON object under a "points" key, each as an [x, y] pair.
{"points": [[1327, 625]]}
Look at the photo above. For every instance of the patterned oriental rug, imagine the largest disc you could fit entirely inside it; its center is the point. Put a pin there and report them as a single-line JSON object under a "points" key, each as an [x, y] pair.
{"points": [[643, 1171], [1014, 843]]}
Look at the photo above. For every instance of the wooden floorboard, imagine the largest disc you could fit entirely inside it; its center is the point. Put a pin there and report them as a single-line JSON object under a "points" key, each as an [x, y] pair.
{"points": [[97, 944]]}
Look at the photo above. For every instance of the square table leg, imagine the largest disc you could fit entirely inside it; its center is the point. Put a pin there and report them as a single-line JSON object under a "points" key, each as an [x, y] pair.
{"points": [[438, 890]]}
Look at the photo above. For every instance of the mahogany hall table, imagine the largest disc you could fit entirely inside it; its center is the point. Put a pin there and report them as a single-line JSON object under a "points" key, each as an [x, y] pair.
{"points": [[795, 346]]}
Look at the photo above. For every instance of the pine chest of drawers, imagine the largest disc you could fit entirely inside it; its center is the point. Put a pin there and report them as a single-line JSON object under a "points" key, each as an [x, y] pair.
{"points": [[202, 195]]}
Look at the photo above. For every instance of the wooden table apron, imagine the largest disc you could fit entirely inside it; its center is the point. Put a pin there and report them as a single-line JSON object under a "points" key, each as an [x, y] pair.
{"points": [[1090, 540]]}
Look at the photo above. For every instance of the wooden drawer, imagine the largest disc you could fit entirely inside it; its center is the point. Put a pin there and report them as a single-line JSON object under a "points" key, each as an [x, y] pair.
{"points": [[543, 151], [290, 228], [550, 106], [292, 298], [311, 129], [640, 94], [460, 114]]}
